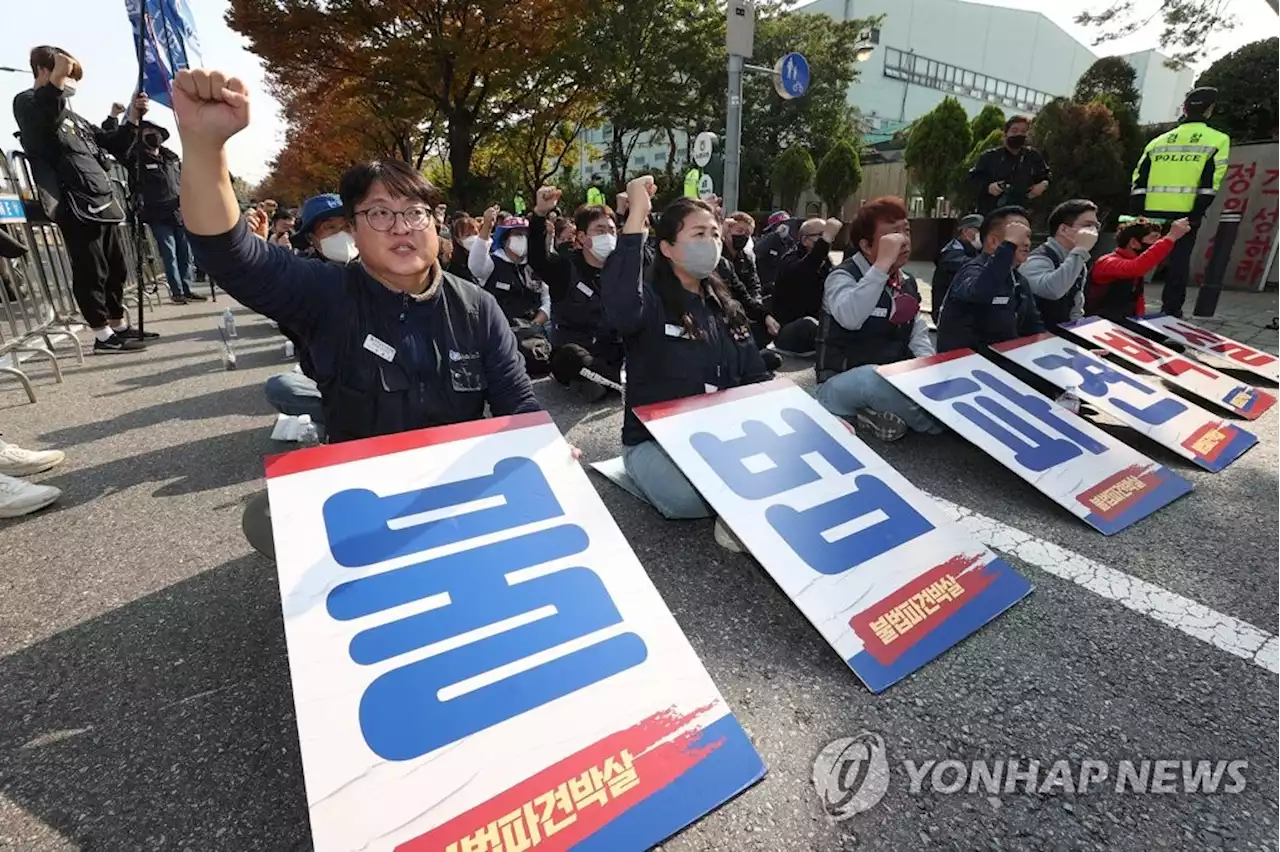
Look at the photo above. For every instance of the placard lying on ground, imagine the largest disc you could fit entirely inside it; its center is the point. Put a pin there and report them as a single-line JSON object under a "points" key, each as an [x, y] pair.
{"points": [[1092, 475], [478, 659], [1239, 355], [889, 581], [1187, 429], [1191, 376]]}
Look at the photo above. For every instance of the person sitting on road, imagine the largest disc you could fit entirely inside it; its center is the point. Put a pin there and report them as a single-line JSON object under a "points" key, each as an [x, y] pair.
{"points": [[464, 233], [797, 296], [989, 300], [501, 267], [737, 270], [966, 244], [17, 496], [684, 336], [565, 240], [1115, 289], [1056, 270], [871, 316], [586, 351], [778, 239]]}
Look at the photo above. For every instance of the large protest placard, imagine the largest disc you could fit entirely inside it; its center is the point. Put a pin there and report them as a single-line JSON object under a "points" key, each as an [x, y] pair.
{"points": [[1187, 429], [478, 659], [1083, 469], [1192, 376], [886, 578], [1235, 353]]}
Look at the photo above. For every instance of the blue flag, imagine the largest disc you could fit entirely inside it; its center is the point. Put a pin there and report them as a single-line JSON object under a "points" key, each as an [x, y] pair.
{"points": [[169, 43]]}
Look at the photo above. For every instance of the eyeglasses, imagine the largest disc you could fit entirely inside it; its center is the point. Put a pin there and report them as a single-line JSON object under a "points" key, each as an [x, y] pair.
{"points": [[416, 218]]}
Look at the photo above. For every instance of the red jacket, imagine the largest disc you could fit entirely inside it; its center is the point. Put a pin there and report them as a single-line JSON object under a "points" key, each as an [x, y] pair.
{"points": [[1115, 284]]}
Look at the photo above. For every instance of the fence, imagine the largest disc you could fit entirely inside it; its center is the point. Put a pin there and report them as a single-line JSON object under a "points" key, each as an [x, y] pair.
{"points": [[37, 302]]}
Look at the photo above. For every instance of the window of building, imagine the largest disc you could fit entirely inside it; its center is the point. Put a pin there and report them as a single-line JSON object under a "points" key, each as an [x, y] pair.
{"points": [[911, 68]]}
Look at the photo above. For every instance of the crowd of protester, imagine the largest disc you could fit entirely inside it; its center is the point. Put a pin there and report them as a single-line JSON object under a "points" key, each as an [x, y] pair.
{"points": [[405, 314]]}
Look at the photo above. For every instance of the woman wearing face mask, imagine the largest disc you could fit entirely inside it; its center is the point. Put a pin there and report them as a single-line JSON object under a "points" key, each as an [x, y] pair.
{"points": [[323, 226], [586, 350], [684, 335], [464, 233], [502, 269]]}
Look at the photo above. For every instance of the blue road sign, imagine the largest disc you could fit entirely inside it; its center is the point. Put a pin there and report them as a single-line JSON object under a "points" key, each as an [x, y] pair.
{"points": [[11, 209], [791, 76]]}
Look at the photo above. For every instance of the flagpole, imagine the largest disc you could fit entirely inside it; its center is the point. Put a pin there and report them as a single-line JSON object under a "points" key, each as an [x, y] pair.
{"points": [[135, 213]]}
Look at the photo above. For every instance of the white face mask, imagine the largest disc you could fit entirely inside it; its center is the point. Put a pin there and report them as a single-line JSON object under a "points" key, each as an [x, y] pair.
{"points": [[68, 89], [976, 242], [339, 247], [469, 243], [517, 246], [602, 245]]}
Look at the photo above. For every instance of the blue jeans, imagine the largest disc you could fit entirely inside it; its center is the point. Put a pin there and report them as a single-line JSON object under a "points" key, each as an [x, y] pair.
{"points": [[662, 483], [175, 255], [294, 394], [862, 387]]}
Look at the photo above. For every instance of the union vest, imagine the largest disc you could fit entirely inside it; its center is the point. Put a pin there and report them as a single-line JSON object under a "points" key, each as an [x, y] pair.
{"points": [[1054, 311], [514, 288], [878, 341]]}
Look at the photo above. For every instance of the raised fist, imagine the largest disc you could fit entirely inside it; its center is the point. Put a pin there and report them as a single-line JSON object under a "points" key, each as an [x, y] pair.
{"points": [[117, 109], [620, 203], [1180, 228], [138, 106], [209, 106], [257, 222], [1086, 238], [1016, 230], [640, 195], [830, 230], [63, 65], [546, 201], [890, 248], [491, 214]]}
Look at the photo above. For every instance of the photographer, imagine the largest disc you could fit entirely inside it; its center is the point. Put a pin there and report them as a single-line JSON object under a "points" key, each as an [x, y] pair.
{"points": [[1013, 174]]}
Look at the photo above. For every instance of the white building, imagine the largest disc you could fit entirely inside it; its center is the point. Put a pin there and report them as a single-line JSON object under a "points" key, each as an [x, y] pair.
{"points": [[651, 151], [979, 54]]}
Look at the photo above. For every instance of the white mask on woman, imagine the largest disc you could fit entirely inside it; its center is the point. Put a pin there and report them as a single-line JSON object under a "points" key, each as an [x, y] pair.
{"points": [[517, 246], [339, 247]]}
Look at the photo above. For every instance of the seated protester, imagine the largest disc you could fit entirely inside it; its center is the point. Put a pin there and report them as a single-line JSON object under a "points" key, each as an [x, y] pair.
{"points": [[772, 246], [989, 301], [684, 335], [501, 268], [585, 349], [566, 236], [738, 271], [1115, 284], [463, 233], [956, 253], [797, 296], [324, 227], [395, 342], [1057, 269], [871, 316]]}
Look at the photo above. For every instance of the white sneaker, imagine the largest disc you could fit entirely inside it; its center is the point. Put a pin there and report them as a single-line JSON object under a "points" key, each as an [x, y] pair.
{"points": [[15, 461], [19, 498], [726, 539]]}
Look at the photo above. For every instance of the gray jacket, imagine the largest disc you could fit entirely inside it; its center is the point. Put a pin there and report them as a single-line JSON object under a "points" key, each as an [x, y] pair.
{"points": [[1050, 282]]}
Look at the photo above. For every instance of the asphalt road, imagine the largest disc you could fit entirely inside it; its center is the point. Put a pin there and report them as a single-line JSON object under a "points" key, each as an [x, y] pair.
{"points": [[145, 699]]}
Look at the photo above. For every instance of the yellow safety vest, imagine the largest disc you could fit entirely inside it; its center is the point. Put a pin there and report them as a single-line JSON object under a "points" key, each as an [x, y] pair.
{"points": [[1175, 168], [595, 197]]}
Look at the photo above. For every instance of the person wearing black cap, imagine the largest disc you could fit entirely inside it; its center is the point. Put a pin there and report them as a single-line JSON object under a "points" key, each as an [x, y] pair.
{"points": [[161, 177], [965, 245], [1178, 176]]}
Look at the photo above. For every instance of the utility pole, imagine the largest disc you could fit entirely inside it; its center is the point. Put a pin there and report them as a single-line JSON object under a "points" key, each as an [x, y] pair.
{"points": [[740, 40]]}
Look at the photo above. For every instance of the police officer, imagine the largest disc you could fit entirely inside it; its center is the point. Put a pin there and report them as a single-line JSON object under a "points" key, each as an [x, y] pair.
{"points": [[1178, 176], [684, 336], [587, 354]]}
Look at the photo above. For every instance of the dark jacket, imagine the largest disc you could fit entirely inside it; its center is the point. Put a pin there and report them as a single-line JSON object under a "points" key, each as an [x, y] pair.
{"points": [[1020, 171], [68, 155], [662, 361], [798, 291], [739, 273], [577, 309], [770, 249], [458, 264], [989, 302], [453, 351], [954, 255], [515, 291], [161, 177]]}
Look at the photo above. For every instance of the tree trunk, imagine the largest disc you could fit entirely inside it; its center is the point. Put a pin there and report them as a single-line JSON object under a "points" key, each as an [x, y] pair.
{"points": [[461, 147]]}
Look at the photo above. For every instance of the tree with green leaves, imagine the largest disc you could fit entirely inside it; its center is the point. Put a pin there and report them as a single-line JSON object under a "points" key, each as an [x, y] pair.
{"points": [[1111, 76], [816, 120], [939, 140], [1246, 80], [793, 173], [839, 175], [961, 195], [1187, 23], [991, 118], [1083, 143]]}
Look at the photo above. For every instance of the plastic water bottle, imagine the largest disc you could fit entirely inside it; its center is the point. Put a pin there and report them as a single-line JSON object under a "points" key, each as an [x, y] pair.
{"points": [[308, 435], [229, 322], [1070, 400], [228, 354], [288, 349]]}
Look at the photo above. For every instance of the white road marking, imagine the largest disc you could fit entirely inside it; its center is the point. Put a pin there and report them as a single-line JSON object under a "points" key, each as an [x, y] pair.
{"points": [[1197, 620]]}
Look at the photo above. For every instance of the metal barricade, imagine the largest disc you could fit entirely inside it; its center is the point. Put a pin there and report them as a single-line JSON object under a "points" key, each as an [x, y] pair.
{"points": [[36, 305]]}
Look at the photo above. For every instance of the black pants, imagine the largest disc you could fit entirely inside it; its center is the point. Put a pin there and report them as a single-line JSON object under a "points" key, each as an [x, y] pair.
{"points": [[799, 337], [1177, 272], [98, 269]]}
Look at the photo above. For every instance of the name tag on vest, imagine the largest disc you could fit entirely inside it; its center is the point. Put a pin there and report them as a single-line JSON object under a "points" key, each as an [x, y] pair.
{"points": [[585, 290], [152, 166], [673, 330], [1000, 300], [502, 285], [385, 351], [879, 312]]}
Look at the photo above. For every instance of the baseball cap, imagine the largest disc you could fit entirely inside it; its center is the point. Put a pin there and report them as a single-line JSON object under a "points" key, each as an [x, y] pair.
{"points": [[777, 218], [973, 220], [317, 208]]}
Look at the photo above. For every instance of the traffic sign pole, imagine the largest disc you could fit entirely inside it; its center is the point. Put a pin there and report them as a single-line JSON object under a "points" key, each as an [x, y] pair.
{"points": [[733, 134]]}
